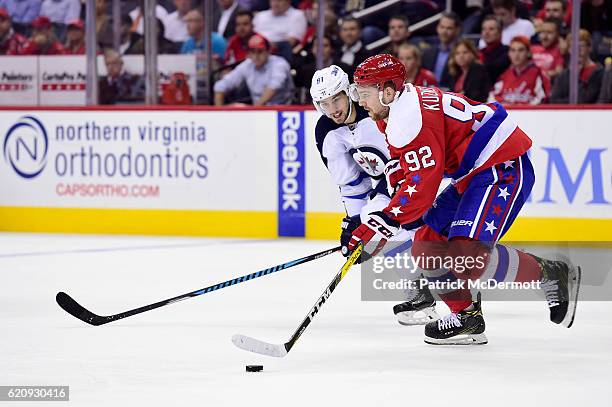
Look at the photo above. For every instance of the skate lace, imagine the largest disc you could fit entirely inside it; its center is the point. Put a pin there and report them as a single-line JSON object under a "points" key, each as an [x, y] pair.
{"points": [[551, 290], [448, 322]]}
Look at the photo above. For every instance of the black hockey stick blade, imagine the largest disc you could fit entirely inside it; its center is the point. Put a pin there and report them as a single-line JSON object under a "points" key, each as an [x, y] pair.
{"points": [[69, 304], [75, 309]]}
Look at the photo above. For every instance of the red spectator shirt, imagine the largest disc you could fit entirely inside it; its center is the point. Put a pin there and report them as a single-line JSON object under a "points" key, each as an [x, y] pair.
{"points": [[311, 32], [528, 86], [236, 50], [425, 78], [585, 73], [13, 45], [547, 59], [436, 134], [78, 51], [56, 48], [458, 88]]}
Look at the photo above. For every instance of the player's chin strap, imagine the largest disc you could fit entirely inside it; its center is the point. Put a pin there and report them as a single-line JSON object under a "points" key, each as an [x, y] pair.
{"points": [[380, 97], [348, 117]]}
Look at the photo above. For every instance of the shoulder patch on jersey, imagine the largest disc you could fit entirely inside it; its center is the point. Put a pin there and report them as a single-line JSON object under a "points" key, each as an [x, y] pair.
{"points": [[405, 119]]}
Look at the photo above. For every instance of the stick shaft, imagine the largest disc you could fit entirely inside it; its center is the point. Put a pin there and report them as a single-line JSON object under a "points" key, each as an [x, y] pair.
{"points": [[78, 311], [326, 294]]}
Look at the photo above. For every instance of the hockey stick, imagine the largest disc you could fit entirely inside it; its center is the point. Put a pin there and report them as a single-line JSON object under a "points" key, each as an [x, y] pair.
{"points": [[255, 345], [75, 309]]}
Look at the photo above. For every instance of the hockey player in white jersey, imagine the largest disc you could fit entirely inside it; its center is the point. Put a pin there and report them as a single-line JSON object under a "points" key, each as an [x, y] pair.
{"points": [[356, 156]]}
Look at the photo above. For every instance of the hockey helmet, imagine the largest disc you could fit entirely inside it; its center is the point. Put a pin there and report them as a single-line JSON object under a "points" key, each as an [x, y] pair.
{"points": [[326, 83], [379, 69]]}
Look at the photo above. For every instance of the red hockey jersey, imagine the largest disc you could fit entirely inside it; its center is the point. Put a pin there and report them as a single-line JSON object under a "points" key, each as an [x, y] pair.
{"points": [[528, 86], [547, 59], [436, 134]]}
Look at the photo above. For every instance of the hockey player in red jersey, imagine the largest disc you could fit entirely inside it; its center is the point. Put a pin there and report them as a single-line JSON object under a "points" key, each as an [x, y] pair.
{"points": [[356, 155], [433, 134]]}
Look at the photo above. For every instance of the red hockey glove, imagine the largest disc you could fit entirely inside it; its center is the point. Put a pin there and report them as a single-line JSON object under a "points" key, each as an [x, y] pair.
{"points": [[394, 176], [376, 225]]}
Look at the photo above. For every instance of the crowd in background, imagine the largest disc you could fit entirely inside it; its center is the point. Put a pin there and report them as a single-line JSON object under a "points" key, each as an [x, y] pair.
{"points": [[511, 51]]}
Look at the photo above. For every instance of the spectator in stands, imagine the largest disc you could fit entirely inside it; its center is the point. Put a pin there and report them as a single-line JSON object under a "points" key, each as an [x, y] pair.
{"points": [[137, 16], [104, 25], [195, 42], [470, 78], [523, 82], [43, 41], [352, 52], [22, 13], [283, 25], [11, 43], [75, 38], [330, 29], [175, 25], [494, 55], [410, 55], [435, 58], [513, 26], [237, 50], [267, 76], [605, 94], [305, 64], [555, 9], [547, 55], [591, 75], [118, 85], [399, 32], [224, 18], [61, 11], [129, 40], [164, 46]]}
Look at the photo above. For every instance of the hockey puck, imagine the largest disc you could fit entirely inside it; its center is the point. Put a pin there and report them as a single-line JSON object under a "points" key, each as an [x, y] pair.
{"points": [[254, 368]]}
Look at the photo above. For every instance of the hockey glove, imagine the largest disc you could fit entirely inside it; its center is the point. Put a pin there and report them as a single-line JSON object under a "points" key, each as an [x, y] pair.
{"points": [[349, 224], [394, 175], [378, 226]]}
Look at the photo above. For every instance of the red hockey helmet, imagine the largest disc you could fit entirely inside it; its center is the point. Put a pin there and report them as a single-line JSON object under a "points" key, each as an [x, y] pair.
{"points": [[380, 69]]}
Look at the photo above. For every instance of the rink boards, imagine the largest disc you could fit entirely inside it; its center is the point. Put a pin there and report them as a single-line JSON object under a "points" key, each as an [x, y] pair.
{"points": [[252, 173]]}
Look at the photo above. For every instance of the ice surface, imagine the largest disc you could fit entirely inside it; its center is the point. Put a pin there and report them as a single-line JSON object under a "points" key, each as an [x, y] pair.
{"points": [[353, 354]]}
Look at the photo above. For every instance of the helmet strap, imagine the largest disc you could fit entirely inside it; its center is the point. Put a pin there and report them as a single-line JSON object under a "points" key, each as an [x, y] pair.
{"points": [[380, 97], [348, 117]]}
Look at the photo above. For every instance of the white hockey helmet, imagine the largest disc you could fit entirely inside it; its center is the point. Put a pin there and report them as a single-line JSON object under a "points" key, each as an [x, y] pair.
{"points": [[328, 82]]}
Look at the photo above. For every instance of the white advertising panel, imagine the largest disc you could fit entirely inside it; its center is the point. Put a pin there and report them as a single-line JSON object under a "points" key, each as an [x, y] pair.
{"points": [[18, 80], [139, 159], [60, 79]]}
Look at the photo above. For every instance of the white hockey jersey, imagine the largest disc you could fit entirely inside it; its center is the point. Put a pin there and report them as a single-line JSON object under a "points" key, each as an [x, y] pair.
{"points": [[355, 156]]}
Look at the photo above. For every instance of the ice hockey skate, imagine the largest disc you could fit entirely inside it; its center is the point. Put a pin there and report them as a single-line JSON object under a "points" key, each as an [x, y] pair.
{"points": [[464, 328], [561, 284], [418, 311]]}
